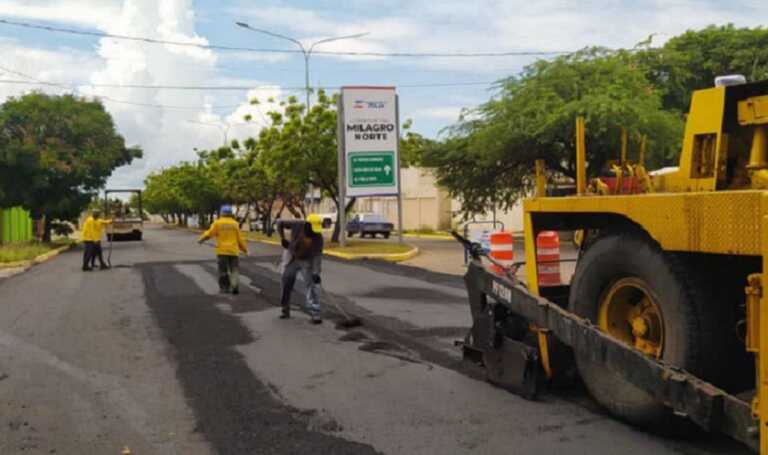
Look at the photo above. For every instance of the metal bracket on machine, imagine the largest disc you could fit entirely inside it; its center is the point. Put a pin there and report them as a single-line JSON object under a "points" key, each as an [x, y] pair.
{"points": [[514, 366]]}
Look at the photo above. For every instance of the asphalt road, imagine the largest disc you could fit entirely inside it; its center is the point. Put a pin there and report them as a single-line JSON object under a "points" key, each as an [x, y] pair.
{"points": [[149, 356]]}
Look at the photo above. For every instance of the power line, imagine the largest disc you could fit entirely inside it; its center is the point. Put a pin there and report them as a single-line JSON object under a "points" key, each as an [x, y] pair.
{"points": [[282, 51], [34, 81], [238, 88]]}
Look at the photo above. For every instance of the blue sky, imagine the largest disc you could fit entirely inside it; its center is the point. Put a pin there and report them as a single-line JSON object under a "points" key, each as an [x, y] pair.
{"points": [[169, 135]]}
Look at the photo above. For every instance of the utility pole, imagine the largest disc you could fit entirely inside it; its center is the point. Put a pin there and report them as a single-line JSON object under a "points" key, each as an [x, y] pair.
{"points": [[223, 127], [224, 131], [306, 51]]}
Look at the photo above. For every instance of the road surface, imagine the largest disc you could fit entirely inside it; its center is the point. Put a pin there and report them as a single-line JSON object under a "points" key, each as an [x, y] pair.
{"points": [[149, 356]]}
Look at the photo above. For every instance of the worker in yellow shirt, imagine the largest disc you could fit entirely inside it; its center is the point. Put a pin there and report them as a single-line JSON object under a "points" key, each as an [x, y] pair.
{"points": [[229, 244], [93, 229]]}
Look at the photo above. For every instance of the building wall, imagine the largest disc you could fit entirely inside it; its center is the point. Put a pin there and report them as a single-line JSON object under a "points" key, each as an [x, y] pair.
{"points": [[425, 205]]}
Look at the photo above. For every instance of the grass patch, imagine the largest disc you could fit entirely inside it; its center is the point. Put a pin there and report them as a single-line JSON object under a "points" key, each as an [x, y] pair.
{"points": [[26, 251], [362, 248]]}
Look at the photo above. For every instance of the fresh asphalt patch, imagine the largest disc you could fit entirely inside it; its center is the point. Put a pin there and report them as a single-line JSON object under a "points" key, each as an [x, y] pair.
{"points": [[413, 294], [234, 410]]}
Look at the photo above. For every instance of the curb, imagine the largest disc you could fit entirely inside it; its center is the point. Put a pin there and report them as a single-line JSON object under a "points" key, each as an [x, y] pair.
{"points": [[389, 257], [429, 236], [39, 259]]}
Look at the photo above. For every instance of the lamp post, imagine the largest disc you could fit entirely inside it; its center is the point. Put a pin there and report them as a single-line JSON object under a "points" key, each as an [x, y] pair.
{"points": [[306, 51], [224, 131], [224, 128]]}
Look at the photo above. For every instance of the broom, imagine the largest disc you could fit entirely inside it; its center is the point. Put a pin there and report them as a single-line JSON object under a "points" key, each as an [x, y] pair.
{"points": [[349, 321]]}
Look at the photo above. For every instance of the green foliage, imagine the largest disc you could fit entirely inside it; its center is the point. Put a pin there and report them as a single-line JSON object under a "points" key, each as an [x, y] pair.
{"points": [[691, 61], [183, 190], [413, 146], [487, 158], [55, 152]]}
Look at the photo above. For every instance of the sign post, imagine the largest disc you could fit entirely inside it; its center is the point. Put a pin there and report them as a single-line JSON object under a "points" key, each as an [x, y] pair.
{"points": [[369, 152]]}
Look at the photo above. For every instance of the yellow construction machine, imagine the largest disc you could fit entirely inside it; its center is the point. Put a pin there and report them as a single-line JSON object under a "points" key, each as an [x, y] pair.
{"points": [[662, 317]]}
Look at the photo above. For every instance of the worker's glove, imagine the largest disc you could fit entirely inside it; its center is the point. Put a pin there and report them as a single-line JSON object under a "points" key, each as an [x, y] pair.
{"points": [[285, 243], [316, 279]]}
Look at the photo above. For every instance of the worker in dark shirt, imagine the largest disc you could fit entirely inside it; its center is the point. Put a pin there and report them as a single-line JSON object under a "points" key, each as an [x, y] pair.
{"points": [[303, 253]]}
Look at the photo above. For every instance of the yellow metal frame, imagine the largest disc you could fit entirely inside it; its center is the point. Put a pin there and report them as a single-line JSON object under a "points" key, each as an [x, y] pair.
{"points": [[761, 385], [683, 212]]}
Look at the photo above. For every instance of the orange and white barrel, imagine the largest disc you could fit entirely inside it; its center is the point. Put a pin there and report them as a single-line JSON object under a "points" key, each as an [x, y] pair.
{"points": [[548, 258], [502, 251]]}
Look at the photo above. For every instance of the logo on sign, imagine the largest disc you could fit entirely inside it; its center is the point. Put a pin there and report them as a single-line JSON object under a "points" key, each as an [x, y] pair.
{"points": [[363, 104]]}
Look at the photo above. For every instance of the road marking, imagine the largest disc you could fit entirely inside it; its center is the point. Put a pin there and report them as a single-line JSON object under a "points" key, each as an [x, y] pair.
{"points": [[208, 282]]}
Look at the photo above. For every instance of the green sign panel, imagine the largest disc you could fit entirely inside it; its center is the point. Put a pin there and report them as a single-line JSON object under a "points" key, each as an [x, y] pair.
{"points": [[371, 169]]}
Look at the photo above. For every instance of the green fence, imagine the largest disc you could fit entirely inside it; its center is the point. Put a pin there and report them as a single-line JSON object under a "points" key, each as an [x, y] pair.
{"points": [[15, 225]]}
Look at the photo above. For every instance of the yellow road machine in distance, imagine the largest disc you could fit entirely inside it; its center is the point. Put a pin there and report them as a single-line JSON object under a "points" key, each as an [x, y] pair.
{"points": [[127, 221]]}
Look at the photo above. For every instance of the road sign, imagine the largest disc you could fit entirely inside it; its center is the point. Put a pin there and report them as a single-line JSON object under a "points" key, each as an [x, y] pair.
{"points": [[369, 139], [369, 154], [372, 169]]}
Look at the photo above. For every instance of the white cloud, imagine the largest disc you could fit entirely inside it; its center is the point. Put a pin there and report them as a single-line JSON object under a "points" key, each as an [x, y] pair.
{"points": [[81, 12], [491, 25], [63, 66], [167, 136], [449, 114]]}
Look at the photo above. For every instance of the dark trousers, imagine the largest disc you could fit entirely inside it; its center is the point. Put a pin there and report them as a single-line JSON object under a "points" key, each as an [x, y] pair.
{"points": [[87, 254], [229, 272], [288, 280], [98, 253]]}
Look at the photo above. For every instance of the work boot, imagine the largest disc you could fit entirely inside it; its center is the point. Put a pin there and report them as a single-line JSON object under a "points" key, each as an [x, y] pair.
{"points": [[316, 320], [87, 269], [235, 291], [104, 267], [285, 313]]}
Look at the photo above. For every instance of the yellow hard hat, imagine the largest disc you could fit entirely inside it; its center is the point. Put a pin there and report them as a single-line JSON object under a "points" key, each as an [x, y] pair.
{"points": [[316, 222]]}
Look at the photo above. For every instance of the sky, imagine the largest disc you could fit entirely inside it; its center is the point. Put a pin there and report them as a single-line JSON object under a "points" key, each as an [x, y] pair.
{"points": [[169, 124]]}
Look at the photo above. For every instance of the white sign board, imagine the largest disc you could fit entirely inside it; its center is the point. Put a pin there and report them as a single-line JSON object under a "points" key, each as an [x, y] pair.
{"points": [[370, 140]]}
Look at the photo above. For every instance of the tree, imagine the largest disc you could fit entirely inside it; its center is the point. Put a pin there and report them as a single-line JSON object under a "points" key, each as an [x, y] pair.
{"points": [[304, 150], [55, 152], [691, 61], [488, 157], [413, 145], [183, 190]]}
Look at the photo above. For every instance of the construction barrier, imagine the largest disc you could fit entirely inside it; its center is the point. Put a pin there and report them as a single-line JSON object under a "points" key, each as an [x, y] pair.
{"points": [[548, 258], [15, 225], [502, 250]]}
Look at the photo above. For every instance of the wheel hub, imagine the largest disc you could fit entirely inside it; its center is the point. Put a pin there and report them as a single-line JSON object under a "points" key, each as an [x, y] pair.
{"points": [[628, 311]]}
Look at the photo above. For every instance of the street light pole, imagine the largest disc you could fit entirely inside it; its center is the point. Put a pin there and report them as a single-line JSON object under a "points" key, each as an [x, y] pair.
{"points": [[223, 127], [307, 52], [220, 127]]}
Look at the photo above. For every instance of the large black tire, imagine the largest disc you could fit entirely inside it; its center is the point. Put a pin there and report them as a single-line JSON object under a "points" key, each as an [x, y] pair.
{"points": [[692, 340], [385, 234], [138, 236]]}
